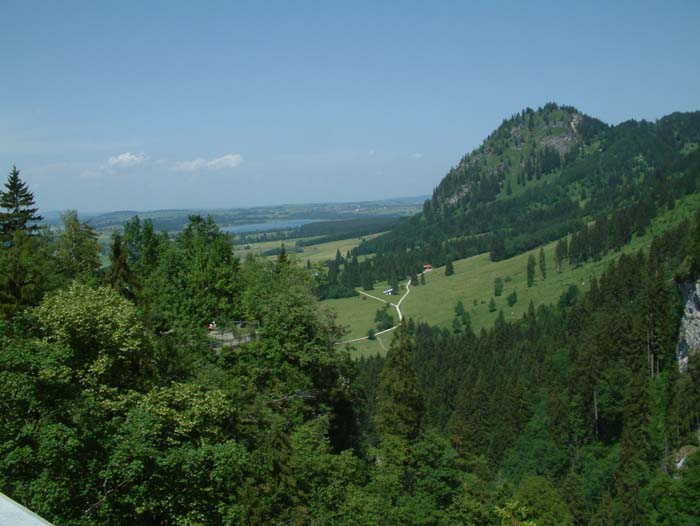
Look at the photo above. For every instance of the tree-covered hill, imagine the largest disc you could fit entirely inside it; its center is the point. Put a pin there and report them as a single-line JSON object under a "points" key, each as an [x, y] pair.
{"points": [[119, 407], [542, 175]]}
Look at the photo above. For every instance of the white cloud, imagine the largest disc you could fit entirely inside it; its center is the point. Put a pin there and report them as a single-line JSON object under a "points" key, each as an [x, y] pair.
{"points": [[127, 159], [416, 156], [225, 162]]}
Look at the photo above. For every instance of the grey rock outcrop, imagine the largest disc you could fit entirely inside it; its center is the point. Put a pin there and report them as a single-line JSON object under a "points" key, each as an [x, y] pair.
{"points": [[689, 337]]}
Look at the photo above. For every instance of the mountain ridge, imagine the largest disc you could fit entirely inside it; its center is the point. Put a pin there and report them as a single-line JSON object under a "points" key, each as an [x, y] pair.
{"points": [[541, 175]]}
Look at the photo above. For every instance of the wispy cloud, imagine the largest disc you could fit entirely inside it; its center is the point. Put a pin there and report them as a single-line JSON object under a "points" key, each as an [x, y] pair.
{"points": [[127, 159], [114, 164], [416, 156], [225, 162]]}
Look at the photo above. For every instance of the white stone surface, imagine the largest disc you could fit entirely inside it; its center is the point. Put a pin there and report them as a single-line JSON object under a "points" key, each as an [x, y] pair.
{"points": [[14, 514]]}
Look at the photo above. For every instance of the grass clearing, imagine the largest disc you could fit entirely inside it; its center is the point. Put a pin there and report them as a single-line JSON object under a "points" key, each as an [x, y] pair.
{"points": [[357, 314], [325, 251], [258, 248], [366, 348], [314, 253], [473, 284]]}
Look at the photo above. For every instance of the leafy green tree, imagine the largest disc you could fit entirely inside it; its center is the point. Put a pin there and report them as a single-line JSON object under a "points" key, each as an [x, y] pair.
{"points": [[471, 506], [197, 278], [142, 244], [78, 250], [545, 505], [107, 340], [19, 203], [514, 514], [531, 265], [383, 319], [177, 440], [26, 272], [400, 401], [575, 499]]}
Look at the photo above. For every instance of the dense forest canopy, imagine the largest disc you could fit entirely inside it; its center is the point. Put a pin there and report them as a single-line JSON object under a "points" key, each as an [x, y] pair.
{"points": [[540, 176], [119, 407]]}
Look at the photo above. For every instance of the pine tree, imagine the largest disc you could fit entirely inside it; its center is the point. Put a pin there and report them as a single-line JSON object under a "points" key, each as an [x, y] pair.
{"points": [[531, 264], [469, 425], [492, 305], [456, 326], [695, 247], [449, 269], [543, 264], [575, 498], [422, 278], [394, 285], [19, 203], [78, 251], [367, 281], [120, 275], [400, 402], [282, 259], [561, 253], [635, 450], [497, 286]]}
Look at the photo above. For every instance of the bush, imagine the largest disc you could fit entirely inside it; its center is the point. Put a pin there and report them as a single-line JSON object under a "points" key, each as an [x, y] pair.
{"points": [[512, 298]]}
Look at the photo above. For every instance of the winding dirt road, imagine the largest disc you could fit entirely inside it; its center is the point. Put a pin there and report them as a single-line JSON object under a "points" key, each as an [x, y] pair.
{"points": [[396, 305]]}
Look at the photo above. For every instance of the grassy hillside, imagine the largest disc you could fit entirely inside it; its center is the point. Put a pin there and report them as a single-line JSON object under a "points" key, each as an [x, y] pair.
{"points": [[473, 284], [326, 251], [317, 252], [357, 314]]}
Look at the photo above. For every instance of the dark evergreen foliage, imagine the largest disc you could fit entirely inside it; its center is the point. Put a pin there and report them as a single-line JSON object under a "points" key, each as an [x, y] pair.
{"points": [[18, 201]]}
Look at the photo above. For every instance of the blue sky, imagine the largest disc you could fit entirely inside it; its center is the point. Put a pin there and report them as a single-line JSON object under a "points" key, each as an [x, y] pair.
{"points": [[143, 105]]}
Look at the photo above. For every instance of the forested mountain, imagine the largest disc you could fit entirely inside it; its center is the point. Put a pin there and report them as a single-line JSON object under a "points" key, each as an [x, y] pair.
{"points": [[119, 407], [540, 176]]}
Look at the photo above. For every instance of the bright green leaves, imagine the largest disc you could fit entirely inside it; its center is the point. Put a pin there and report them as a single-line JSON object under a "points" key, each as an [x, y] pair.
{"points": [[104, 332]]}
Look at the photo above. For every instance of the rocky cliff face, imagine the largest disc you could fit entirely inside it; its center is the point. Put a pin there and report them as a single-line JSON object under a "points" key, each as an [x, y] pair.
{"points": [[689, 337]]}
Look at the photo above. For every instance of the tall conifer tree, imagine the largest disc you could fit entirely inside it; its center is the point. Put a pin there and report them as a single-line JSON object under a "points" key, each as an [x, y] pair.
{"points": [[400, 401], [19, 203]]}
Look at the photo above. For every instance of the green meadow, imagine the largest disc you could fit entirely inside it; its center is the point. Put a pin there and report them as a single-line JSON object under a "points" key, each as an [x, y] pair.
{"points": [[473, 284], [313, 253]]}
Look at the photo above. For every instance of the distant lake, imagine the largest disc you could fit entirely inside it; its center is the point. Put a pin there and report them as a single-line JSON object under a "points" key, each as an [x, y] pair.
{"points": [[271, 225]]}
